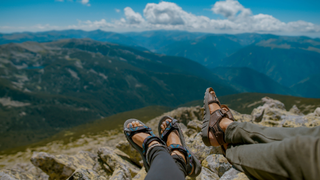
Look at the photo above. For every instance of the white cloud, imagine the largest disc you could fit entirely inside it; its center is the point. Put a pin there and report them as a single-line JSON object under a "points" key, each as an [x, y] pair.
{"points": [[85, 2], [133, 17], [164, 13], [117, 10], [230, 8], [170, 16]]}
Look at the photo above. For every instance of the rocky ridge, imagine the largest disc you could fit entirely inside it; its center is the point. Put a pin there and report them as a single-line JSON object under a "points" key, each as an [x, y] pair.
{"points": [[104, 157]]}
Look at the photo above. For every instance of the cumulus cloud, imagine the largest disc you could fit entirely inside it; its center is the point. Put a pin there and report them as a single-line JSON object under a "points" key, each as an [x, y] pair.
{"points": [[117, 10], [132, 17], [164, 13], [230, 8], [170, 16], [85, 2]]}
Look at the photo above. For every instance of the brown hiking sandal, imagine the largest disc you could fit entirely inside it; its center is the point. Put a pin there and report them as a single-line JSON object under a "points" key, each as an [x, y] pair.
{"points": [[211, 121]]}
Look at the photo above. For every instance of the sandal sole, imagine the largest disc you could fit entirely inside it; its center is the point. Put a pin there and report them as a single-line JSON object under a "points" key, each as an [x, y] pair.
{"points": [[206, 119]]}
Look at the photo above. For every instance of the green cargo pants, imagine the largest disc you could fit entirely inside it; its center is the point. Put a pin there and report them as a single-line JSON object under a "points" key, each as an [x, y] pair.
{"points": [[273, 152]]}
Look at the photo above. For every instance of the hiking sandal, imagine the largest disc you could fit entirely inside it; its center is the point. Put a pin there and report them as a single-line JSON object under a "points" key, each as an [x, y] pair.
{"points": [[144, 151], [191, 159], [211, 121]]}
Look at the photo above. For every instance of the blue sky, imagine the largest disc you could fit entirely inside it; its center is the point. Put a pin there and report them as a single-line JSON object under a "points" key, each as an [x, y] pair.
{"points": [[230, 16]]}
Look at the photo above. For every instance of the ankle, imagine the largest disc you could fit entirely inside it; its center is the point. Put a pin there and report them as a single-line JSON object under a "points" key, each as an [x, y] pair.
{"points": [[153, 142], [224, 123], [176, 152]]}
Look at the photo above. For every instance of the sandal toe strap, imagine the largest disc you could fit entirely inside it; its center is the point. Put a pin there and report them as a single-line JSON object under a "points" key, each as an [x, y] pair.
{"points": [[134, 130], [170, 127]]}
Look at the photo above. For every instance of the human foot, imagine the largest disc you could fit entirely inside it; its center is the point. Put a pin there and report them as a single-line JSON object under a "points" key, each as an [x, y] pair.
{"points": [[224, 123], [173, 138], [139, 137]]}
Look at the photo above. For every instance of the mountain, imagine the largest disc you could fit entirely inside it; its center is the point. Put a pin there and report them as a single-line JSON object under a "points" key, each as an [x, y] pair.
{"points": [[249, 80], [155, 40], [49, 87], [207, 50], [48, 36], [309, 87], [286, 60]]}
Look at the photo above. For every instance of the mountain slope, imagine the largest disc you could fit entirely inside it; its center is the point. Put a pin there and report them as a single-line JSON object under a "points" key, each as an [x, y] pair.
{"points": [[207, 50], [286, 66], [42, 82], [309, 87], [249, 80]]}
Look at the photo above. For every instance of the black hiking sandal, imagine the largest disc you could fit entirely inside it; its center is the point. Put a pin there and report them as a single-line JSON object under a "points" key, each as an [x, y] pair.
{"points": [[191, 159], [211, 121], [144, 151]]}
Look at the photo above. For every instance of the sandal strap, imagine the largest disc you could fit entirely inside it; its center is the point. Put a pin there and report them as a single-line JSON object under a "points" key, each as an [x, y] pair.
{"points": [[134, 130], [213, 99], [170, 127], [148, 140], [214, 126], [229, 113], [186, 153]]}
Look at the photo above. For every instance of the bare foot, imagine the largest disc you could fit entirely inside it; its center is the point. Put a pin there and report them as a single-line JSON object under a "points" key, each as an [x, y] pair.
{"points": [[224, 123], [173, 138], [140, 137]]}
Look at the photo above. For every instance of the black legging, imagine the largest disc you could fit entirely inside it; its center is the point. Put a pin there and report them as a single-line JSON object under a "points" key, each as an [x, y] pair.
{"points": [[164, 166]]}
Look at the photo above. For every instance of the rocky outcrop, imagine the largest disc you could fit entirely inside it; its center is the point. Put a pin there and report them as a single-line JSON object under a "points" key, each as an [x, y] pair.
{"points": [[117, 160]]}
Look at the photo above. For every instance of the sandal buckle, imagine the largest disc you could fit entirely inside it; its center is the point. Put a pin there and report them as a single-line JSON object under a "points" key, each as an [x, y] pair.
{"points": [[221, 113]]}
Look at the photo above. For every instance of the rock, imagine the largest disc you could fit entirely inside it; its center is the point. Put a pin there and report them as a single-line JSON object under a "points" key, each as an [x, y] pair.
{"points": [[117, 165], [273, 110], [272, 103], [234, 175], [183, 127], [186, 114], [141, 174], [295, 110], [205, 174], [317, 111], [11, 174], [29, 168], [200, 150], [133, 154], [120, 174], [195, 124], [241, 117], [63, 166], [190, 133], [217, 163], [86, 174]]}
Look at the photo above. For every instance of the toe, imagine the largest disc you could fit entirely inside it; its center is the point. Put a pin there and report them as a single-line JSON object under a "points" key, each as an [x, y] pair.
{"points": [[129, 125]]}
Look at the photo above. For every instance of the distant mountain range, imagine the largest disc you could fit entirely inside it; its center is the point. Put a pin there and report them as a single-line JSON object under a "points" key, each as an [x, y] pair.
{"points": [[279, 57], [49, 82]]}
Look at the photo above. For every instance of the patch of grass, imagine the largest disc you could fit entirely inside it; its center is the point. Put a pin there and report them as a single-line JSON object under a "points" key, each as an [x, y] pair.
{"points": [[99, 126]]}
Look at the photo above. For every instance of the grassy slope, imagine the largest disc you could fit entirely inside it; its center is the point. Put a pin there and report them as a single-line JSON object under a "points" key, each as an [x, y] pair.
{"points": [[244, 102], [113, 122]]}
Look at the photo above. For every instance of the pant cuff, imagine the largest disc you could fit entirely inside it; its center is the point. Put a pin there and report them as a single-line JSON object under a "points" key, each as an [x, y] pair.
{"points": [[229, 131]]}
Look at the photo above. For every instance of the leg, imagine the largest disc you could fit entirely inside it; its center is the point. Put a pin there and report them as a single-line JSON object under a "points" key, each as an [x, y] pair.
{"points": [[163, 166], [249, 133], [291, 158]]}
